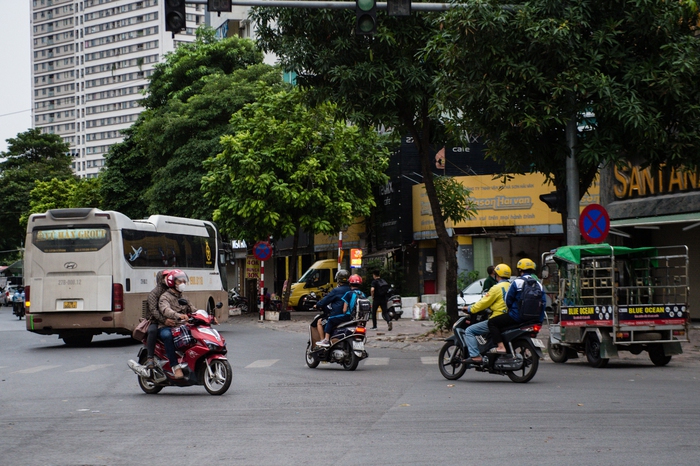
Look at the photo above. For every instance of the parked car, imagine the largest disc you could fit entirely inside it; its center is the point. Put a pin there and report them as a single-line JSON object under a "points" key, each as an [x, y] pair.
{"points": [[6, 296], [472, 294]]}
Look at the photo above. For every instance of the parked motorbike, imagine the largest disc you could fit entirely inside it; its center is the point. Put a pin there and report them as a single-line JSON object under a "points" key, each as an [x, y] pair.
{"points": [[394, 304], [520, 363], [347, 344], [237, 301], [309, 301], [203, 362]]}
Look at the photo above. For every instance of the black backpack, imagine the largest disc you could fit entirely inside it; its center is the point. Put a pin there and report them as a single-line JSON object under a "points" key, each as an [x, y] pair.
{"points": [[530, 303], [381, 289]]}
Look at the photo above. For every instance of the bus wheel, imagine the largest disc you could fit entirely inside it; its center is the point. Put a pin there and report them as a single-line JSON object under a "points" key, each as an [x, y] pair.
{"points": [[78, 340]]}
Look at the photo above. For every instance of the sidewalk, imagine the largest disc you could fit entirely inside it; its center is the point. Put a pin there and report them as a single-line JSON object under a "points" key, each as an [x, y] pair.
{"points": [[418, 335]]}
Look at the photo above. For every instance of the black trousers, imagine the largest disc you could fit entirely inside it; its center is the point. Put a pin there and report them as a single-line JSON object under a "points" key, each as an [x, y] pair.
{"points": [[151, 339], [497, 324], [376, 303]]}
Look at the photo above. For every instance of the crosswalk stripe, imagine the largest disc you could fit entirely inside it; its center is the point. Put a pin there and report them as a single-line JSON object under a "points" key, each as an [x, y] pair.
{"points": [[429, 360], [91, 368], [32, 370], [261, 363], [376, 362]]}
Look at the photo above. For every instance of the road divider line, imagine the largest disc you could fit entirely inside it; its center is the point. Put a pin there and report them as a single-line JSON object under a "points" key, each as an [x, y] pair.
{"points": [[261, 363]]}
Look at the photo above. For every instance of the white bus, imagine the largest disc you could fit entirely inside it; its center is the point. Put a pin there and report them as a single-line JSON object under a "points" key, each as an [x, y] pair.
{"points": [[89, 271]]}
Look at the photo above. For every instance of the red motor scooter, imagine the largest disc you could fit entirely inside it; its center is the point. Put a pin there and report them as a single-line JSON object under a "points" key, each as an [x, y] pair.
{"points": [[203, 362]]}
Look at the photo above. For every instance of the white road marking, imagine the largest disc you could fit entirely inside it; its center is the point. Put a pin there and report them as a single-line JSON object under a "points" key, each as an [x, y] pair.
{"points": [[261, 363], [91, 368], [429, 360], [376, 362], [32, 370]]}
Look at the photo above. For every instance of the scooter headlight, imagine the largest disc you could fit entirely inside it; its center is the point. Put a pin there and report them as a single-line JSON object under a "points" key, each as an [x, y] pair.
{"points": [[213, 346]]}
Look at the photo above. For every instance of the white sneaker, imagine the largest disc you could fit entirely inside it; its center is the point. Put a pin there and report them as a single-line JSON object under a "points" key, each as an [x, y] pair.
{"points": [[138, 368], [323, 343]]}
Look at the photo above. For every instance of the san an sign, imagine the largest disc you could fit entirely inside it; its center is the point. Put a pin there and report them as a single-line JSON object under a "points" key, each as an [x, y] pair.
{"points": [[631, 181]]}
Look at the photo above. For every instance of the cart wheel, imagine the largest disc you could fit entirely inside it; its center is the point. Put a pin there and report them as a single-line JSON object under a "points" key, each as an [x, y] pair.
{"points": [[557, 353], [657, 356], [593, 352]]}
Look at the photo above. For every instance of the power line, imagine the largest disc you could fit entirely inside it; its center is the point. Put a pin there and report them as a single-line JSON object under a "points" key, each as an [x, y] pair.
{"points": [[14, 113]]}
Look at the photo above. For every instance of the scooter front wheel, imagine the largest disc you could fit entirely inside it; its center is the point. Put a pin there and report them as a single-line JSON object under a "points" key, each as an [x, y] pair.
{"points": [[311, 359], [217, 377], [450, 361]]}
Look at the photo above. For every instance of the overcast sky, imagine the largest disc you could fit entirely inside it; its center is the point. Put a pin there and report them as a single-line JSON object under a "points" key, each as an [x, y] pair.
{"points": [[15, 71]]}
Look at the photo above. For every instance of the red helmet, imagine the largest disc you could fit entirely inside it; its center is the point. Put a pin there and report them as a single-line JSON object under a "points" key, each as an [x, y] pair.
{"points": [[173, 276], [355, 280]]}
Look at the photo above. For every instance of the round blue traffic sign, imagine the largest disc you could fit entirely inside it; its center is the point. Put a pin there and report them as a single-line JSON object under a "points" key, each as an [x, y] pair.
{"points": [[594, 223], [262, 250]]}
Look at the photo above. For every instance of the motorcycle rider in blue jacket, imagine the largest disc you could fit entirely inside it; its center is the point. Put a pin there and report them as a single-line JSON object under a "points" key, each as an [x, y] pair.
{"points": [[334, 300]]}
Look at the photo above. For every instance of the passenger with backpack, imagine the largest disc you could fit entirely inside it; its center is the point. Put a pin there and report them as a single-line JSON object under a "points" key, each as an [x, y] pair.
{"points": [[379, 293], [526, 301]]}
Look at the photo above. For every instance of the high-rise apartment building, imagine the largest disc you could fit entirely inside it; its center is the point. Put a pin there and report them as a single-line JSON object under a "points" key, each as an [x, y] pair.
{"points": [[91, 60]]}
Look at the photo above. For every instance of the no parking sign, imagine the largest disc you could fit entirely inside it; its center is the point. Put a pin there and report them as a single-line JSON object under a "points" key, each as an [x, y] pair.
{"points": [[594, 223]]}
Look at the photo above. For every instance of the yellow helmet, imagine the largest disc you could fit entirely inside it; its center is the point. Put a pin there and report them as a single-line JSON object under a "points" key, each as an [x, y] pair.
{"points": [[526, 264], [502, 270]]}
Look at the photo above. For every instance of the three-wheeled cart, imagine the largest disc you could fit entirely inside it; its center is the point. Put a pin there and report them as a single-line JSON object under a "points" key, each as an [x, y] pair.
{"points": [[615, 298]]}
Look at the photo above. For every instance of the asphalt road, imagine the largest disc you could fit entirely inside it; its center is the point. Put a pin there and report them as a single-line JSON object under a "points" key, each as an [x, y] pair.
{"points": [[82, 406]]}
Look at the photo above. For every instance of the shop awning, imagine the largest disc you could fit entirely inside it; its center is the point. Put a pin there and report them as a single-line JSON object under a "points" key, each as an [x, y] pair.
{"points": [[659, 220]]}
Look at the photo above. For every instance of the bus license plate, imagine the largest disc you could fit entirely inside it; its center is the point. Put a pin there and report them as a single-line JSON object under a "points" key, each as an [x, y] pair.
{"points": [[538, 343], [358, 345], [70, 305]]}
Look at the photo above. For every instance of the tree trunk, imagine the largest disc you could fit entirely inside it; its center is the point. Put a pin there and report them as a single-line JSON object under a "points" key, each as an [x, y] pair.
{"points": [[445, 242], [292, 270]]}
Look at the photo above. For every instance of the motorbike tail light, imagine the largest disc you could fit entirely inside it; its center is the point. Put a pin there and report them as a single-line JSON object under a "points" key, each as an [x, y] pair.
{"points": [[361, 330], [26, 300], [117, 297]]}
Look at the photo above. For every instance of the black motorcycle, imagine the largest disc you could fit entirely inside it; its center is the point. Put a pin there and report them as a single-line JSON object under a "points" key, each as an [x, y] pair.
{"points": [[519, 363], [237, 301]]}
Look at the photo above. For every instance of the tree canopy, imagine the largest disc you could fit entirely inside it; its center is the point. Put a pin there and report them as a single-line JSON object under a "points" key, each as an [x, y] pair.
{"points": [[31, 157], [191, 97], [288, 167], [626, 71], [376, 80]]}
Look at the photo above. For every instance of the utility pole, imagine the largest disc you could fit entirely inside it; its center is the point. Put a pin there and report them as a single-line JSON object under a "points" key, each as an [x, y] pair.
{"points": [[572, 195]]}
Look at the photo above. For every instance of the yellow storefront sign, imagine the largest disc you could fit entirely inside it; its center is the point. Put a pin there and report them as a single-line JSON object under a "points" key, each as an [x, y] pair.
{"points": [[514, 204]]}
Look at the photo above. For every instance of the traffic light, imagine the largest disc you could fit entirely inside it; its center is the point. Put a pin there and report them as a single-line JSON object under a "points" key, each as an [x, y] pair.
{"points": [[175, 16], [366, 13], [556, 201], [219, 5]]}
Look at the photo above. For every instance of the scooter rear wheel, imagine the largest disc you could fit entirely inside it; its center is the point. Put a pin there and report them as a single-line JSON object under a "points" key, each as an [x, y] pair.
{"points": [[149, 386], [530, 362], [351, 361], [450, 361]]}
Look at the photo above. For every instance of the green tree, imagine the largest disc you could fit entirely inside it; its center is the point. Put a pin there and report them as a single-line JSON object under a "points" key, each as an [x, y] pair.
{"points": [[377, 81], [289, 167], [516, 76], [191, 97], [63, 194], [31, 157]]}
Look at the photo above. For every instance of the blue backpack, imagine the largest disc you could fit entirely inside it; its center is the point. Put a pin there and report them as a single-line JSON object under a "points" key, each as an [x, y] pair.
{"points": [[530, 303]]}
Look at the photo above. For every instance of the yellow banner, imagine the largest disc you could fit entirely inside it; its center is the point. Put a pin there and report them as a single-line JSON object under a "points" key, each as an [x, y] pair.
{"points": [[252, 267], [516, 203], [356, 258]]}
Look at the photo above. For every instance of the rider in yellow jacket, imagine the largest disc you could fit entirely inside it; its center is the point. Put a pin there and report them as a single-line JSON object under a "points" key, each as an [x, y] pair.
{"points": [[495, 299]]}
